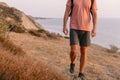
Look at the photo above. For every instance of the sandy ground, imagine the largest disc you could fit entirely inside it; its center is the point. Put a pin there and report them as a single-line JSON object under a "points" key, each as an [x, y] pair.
{"points": [[101, 64], [27, 23]]}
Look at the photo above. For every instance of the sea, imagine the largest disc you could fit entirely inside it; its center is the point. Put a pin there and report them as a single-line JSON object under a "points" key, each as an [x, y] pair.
{"points": [[108, 30]]}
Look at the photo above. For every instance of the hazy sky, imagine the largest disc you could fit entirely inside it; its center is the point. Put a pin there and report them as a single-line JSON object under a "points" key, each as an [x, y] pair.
{"points": [[55, 8]]}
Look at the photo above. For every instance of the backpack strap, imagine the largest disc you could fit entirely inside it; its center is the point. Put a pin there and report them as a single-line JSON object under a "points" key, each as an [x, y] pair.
{"points": [[92, 1], [71, 8]]}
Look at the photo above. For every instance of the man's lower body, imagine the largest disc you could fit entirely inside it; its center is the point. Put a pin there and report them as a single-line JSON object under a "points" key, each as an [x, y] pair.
{"points": [[79, 38]]}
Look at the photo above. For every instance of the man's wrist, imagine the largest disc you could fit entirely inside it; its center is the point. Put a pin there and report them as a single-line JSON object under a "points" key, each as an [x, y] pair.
{"points": [[64, 26], [94, 28]]}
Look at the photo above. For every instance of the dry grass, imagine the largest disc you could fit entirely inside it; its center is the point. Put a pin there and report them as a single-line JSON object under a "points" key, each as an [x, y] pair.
{"points": [[4, 37], [10, 46], [16, 67], [23, 68], [3, 27]]}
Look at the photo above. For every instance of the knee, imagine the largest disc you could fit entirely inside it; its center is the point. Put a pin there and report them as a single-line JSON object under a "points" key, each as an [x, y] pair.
{"points": [[74, 51], [83, 51], [83, 48]]}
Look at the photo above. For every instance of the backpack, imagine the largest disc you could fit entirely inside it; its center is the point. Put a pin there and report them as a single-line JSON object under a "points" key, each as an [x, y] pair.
{"points": [[73, 5]]}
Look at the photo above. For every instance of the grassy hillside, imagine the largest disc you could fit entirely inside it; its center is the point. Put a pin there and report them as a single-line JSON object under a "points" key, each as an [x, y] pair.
{"points": [[14, 20], [102, 64], [14, 64]]}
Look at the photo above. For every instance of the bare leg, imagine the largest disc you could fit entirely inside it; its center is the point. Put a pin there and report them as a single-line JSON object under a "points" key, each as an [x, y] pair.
{"points": [[73, 53], [83, 58]]}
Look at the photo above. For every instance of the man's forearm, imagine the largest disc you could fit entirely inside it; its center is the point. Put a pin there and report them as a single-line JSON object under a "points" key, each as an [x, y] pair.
{"points": [[66, 15], [95, 20], [65, 19]]}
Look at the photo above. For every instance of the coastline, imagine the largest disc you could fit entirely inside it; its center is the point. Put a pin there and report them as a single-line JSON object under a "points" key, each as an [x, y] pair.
{"points": [[104, 36]]}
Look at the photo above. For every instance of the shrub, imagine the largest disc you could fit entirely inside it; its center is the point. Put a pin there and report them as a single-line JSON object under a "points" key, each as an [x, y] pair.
{"points": [[45, 34], [34, 33], [16, 28], [53, 35], [42, 31], [66, 37], [113, 49]]}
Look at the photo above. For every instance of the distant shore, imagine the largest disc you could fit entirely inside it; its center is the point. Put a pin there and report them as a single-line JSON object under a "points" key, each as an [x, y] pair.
{"points": [[36, 18]]}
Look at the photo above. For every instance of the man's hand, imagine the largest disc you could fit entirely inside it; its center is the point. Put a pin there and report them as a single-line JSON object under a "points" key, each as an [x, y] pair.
{"points": [[65, 30], [93, 33]]}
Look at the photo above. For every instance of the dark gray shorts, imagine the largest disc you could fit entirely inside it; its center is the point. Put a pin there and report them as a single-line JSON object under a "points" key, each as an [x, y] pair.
{"points": [[79, 37]]}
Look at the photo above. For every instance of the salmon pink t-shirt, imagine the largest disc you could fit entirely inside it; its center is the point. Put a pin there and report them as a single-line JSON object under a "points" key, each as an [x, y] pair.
{"points": [[80, 19]]}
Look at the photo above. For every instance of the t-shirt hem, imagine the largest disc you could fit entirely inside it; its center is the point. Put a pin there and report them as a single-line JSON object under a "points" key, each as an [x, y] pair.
{"points": [[87, 28], [80, 29]]}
